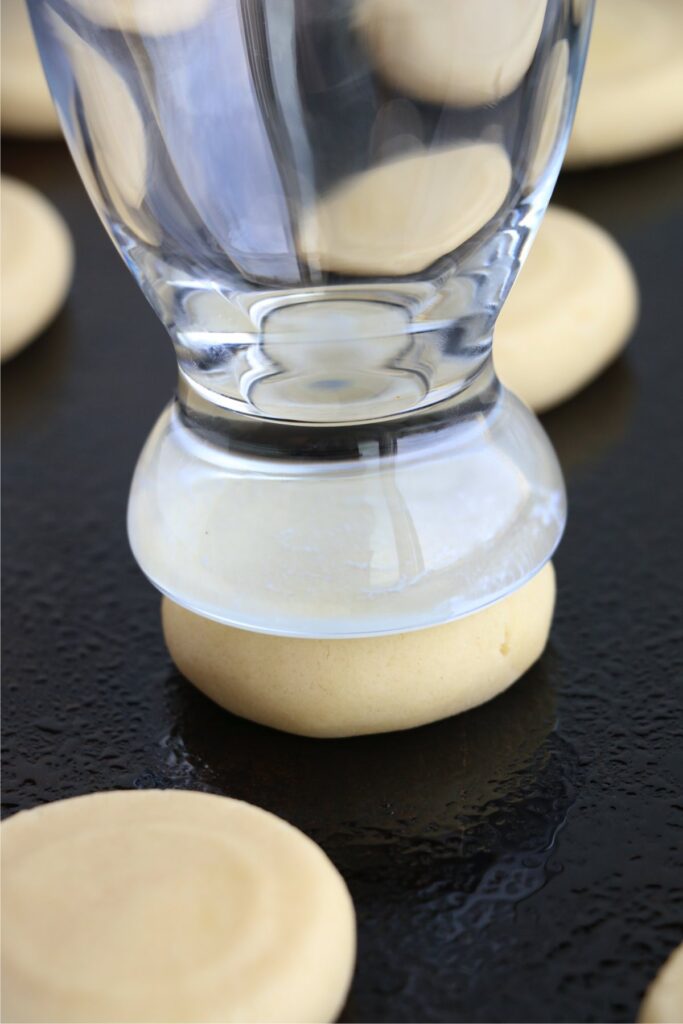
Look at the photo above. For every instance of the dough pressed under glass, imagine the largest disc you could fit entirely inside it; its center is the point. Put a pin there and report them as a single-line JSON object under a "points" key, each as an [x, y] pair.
{"points": [[327, 207]]}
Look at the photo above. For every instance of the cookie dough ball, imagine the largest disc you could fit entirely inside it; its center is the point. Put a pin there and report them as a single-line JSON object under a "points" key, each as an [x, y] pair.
{"points": [[569, 314], [368, 685], [464, 53], [26, 104], [663, 1002], [401, 216], [148, 17], [163, 905], [631, 102], [37, 264]]}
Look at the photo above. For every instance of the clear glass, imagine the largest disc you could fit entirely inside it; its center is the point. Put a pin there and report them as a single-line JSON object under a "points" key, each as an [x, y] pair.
{"points": [[326, 203]]}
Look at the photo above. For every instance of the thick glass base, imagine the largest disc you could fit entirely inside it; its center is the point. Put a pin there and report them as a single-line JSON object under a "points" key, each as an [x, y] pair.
{"points": [[380, 527]]}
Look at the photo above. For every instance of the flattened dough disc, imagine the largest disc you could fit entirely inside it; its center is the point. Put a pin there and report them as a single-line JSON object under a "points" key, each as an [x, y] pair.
{"points": [[631, 101], [568, 315], [368, 685], [169, 905], [663, 1002], [27, 107], [402, 215], [465, 53], [37, 264], [147, 17]]}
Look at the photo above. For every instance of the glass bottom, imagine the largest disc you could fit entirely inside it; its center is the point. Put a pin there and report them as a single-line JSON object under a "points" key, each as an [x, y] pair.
{"points": [[372, 529]]}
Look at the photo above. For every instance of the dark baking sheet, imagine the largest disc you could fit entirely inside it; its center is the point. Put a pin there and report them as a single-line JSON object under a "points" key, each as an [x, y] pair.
{"points": [[523, 862]]}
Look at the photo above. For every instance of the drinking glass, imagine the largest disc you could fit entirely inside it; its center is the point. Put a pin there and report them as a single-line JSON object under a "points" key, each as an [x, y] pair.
{"points": [[326, 203]]}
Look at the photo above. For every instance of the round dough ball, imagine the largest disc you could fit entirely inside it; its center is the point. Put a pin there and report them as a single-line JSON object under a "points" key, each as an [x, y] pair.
{"points": [[464, 53], [401, 216], [26, 104], [568, 315], [164, 905], [631, 102], [663, 1002], [37, 264], [367, 685]]}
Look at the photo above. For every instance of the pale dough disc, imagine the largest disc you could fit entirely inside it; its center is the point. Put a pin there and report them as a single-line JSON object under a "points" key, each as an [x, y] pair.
{"points": [[26, 104], [568, 315], [37, 264], [148, 17], [164, 905], [663, 1002], [367, 685], [401, 216], [631, 102], [465, 53]]}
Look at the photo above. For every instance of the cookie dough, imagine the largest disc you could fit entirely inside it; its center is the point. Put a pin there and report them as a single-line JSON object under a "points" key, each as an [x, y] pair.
{"points": [[464, 54], [401, 216], [37, 264], [148, 17], [26, 105], [377, 684], [663, 1002], [631, 102], [164, 905], [569, 314]]}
